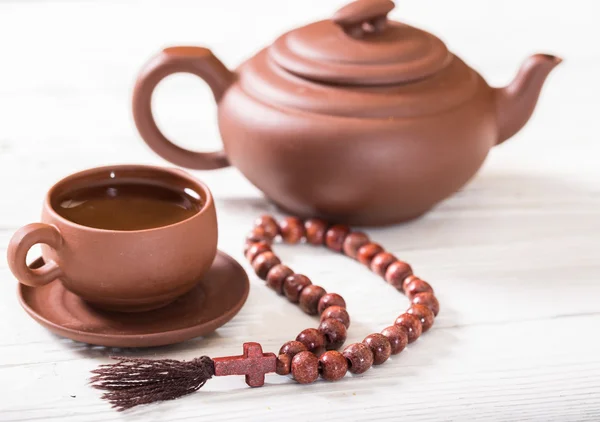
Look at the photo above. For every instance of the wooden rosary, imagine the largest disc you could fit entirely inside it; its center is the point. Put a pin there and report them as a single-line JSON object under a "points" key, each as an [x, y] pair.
{"points": [[134, 381], [304, 357]]}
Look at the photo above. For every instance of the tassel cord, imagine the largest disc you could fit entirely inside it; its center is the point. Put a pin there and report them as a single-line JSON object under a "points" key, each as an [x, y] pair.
{"points": [[134, 381]]}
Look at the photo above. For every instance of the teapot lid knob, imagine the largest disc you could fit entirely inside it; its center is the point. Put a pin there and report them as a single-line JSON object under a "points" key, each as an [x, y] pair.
{"points": [[363, 17], [359, 45]]}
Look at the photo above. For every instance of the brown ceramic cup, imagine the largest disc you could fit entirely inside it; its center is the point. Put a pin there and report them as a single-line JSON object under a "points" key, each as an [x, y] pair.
{"points": [[128, 271]]}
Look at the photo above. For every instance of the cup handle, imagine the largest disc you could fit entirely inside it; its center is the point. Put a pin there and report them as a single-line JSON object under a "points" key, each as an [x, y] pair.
{"points": [[197, 61], [20, 244]]}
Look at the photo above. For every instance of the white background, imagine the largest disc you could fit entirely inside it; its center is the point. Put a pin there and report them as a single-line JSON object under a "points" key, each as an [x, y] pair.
{"points": [[514, 256]]}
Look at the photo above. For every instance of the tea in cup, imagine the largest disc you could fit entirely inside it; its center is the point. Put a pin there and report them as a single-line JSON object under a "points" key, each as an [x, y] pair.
{"points": [[126, 238]]}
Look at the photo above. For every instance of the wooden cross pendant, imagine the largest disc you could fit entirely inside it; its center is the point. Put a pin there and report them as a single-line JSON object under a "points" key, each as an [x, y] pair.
{"points": [[254, 364]]}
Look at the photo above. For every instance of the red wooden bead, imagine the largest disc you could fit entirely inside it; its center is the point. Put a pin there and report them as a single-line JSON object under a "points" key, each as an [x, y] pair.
{"points": [[330, 299], [257, 234], [337, 312], [353, 242], [411, 324], [333, 365], [397, 337], [397, 272], [424, 314], [292, 347], [367, 252], [429, 300], [313, 339], [413, 285], [315, 229], [309, 298], [268, 224], [359, 357], [380, 346], [334, 331], [305, 367], [293, 285], [255, 249], [284, 364], [335, 236], [263, 263], [381, 262], [277, 275], [291, 229]]}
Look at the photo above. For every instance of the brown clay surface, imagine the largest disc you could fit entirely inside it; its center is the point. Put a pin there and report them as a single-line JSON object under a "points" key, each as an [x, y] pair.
{"points": [[355, 119], [214, 300], [124, 270]]}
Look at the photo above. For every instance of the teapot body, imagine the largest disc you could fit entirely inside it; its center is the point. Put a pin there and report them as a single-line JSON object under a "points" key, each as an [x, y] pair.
{"points": [[362, 171], [357, 119]]}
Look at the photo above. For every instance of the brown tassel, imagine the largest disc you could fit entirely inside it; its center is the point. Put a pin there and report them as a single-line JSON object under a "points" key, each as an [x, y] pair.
{"points": [[135, 381]]}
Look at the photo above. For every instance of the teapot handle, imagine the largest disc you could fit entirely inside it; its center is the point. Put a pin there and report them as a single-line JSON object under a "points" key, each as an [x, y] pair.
{"points": [[195, 60]]}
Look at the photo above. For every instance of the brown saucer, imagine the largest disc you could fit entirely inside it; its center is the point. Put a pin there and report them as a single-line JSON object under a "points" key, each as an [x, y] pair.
{"points": [[217, 298]]}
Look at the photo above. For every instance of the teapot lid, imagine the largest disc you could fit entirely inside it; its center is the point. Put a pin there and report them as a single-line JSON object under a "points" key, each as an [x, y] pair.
{"points": [[360, 46]]}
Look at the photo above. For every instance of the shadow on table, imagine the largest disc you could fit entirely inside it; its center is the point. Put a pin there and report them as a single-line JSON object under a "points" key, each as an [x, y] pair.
{"points": [[495, 188], [490, 190], [90, 351]]}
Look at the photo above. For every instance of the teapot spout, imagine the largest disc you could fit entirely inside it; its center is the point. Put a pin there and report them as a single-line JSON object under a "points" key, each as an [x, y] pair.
{"points": [[515, 103]]}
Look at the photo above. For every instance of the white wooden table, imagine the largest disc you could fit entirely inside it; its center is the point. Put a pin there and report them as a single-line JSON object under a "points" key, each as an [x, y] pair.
{"points": [[514, 256]]}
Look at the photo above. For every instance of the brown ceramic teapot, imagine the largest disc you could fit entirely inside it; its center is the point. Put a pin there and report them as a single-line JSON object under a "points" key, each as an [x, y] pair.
{"points": [[355, 119]]}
